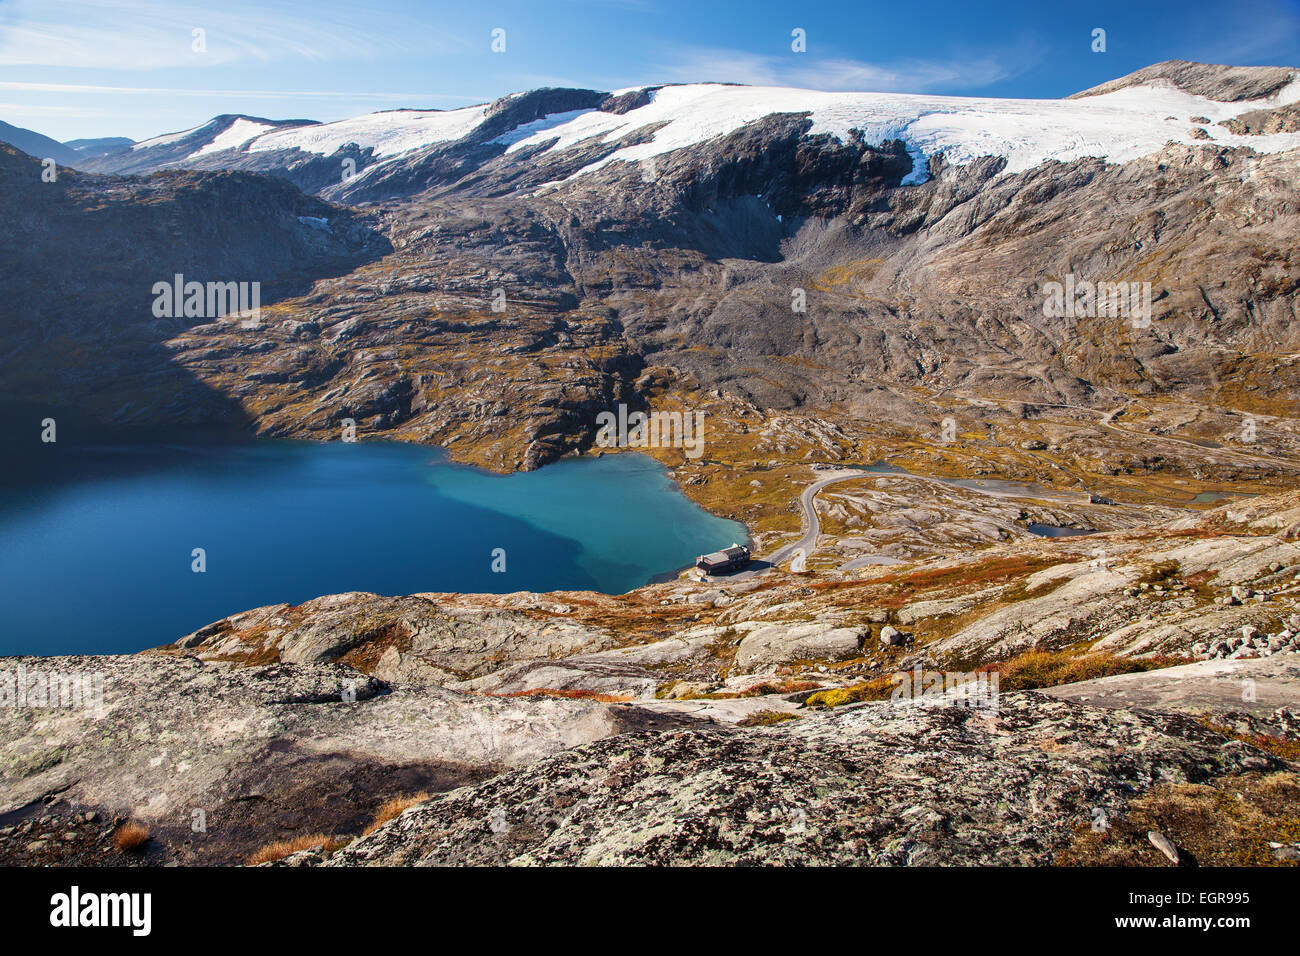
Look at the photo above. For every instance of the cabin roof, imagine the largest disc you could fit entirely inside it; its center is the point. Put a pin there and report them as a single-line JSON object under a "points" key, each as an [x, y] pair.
{"points": [[725, 556]]}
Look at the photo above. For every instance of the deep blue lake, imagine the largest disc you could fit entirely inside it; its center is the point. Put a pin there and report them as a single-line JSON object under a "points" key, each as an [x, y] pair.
{"points": [[96, 541]]}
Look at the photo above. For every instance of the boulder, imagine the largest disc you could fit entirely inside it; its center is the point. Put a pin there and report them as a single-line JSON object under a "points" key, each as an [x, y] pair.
{"points": [[891, 636], [785, 643]]}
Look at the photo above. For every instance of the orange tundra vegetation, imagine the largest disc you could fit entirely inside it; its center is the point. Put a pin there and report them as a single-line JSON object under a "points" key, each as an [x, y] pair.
{"points": [[130, 837], [282, 848], [393, 808]]}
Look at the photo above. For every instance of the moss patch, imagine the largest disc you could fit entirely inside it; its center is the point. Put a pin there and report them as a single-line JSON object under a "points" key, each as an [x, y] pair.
{"points": [[1228, 821], [765, 718], [878, 688]]}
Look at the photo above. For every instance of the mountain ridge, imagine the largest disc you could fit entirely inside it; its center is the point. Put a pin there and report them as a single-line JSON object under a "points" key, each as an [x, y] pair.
{"points": [[1144, 105]]}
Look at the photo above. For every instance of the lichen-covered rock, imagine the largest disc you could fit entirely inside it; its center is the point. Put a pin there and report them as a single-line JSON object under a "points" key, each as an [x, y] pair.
{"points": [[877, 784]]}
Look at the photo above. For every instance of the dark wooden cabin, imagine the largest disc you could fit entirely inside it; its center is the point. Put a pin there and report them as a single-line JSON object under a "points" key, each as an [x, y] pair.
{"points": [[728, 559]]}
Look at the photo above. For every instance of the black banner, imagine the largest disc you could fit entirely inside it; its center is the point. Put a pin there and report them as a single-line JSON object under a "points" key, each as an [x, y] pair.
{"points": [[143, 906]]}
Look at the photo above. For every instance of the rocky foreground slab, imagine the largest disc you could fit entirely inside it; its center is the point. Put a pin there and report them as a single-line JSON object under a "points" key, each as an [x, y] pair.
{"points": [[262, 753], [877, 785]]}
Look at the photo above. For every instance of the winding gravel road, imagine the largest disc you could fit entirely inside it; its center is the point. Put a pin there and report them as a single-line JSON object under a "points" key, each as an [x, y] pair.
{"points": [[808, 519]]}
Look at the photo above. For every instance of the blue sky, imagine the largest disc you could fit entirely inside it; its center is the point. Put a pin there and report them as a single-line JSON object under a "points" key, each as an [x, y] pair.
{"points": [[81, 68]]}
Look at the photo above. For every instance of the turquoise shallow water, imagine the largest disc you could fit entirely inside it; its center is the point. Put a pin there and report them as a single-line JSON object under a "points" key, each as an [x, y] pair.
{"points": [[96, 540]]}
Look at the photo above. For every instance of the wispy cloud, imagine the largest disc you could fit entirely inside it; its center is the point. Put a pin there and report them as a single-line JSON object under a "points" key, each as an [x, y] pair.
{"points": [[27, 109], [32, 87], [696, 64], [153, 34]]}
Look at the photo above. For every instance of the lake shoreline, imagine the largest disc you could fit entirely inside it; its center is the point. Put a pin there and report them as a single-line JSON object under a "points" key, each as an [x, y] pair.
{"points": [[234, 524]]}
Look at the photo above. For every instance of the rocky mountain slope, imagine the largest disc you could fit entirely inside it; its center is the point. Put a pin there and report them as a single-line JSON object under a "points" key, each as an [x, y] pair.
{"points": [[866, 264], [80, 256]]}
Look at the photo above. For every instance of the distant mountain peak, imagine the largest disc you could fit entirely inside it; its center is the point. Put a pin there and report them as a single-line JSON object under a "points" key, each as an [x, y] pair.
{"points": [[99, 146], [35, 144]]}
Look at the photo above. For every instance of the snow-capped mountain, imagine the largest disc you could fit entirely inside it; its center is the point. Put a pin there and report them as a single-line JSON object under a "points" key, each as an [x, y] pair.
{"points": [[1116, 126], [1117, 123], [225, 134]]}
